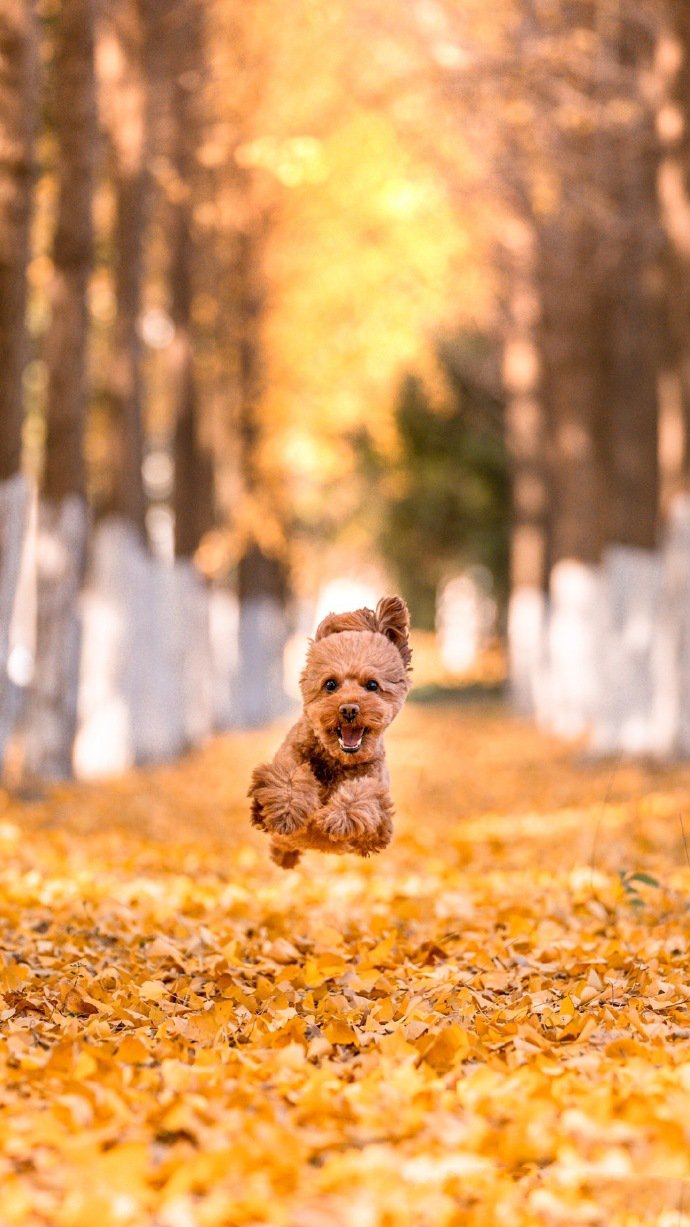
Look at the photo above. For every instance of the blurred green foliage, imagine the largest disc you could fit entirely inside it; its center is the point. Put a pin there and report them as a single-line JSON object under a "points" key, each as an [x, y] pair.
{"points": [[443, 503]]}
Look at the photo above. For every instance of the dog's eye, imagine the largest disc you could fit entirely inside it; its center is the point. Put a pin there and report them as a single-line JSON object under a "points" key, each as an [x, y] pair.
{"points": [[371, 685], [330, 685]]}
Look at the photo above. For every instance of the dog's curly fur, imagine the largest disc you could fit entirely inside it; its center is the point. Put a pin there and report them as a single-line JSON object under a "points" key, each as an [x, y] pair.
{"points": [[327, 787]]}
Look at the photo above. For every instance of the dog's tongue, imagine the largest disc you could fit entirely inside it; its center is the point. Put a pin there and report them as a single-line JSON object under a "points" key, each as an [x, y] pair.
{"points": [[350, 735]]}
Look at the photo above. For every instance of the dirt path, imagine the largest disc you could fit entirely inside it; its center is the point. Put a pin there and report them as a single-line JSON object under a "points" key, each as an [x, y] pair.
{"points": [[489, 1024]]}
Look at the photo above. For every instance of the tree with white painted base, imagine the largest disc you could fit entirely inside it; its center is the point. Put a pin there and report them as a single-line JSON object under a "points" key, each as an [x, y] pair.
{"points": [[17, 119], [51, 715]]}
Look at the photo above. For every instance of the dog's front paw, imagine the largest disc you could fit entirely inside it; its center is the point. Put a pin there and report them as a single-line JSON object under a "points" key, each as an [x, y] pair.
{"points": [[358, 815], [370, 842], [283, 797], [338, 823], [352, 812], [285, 823]]}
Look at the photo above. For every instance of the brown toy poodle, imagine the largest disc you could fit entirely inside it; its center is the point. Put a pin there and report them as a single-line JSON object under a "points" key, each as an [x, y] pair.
{"points": [[327, 787]]}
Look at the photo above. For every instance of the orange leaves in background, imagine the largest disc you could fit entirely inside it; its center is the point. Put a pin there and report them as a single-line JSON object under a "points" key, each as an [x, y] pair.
{"points": [[487, 1025]]}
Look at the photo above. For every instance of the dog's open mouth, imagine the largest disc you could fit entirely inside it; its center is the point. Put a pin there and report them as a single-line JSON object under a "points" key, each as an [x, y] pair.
{"points": [[350, 737]]}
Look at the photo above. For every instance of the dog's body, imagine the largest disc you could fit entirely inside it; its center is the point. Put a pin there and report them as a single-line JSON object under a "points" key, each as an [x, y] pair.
{"points": [[327, 787]]}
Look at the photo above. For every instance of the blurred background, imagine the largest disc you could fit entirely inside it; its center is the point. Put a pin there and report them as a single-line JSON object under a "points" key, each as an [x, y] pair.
{"points": [[302, 304]]}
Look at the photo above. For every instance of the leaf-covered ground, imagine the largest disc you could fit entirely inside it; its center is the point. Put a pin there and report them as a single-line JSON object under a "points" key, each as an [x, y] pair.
{"points": [[488, 1024]]}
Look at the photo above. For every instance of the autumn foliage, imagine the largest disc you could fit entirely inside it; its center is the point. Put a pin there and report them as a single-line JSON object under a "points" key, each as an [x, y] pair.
{"points": [[486, 1025]]}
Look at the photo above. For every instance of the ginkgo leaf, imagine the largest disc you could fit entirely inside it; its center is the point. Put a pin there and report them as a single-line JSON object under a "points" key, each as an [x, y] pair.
{"points": [[340, 1032], [152, 990], [133, 1050], [73, 1002]]}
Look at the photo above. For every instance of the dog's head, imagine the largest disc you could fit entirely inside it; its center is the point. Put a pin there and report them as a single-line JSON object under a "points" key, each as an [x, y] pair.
{"points": [[356, 678]]}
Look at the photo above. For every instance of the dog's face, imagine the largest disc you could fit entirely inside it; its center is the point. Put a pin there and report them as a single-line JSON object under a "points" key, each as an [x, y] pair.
{"points": [[355, 682]]}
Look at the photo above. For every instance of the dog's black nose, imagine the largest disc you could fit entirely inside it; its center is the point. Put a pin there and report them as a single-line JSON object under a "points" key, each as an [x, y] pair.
{"points": [[349, 711]]}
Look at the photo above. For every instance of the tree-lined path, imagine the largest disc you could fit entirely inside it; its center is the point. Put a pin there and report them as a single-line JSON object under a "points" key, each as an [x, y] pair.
{"points": [[490, 1023]]}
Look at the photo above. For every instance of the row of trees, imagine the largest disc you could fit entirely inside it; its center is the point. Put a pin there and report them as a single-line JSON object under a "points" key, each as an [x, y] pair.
{"points": [[595, 364], [575, 116], [230, 228], [144, 52], [580, 114], [176, 174], [121, 91]]}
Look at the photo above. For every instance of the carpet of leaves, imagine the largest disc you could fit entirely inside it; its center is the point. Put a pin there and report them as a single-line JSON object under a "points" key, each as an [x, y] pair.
{"points": [[488, 1024]]}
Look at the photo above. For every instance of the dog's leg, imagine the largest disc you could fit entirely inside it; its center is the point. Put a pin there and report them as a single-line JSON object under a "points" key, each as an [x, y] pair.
{"points": [[284, 796], [359, 815], [285, 858]]}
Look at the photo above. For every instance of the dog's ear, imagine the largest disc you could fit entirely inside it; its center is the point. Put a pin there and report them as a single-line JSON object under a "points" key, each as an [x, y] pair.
{"points": [[393, 621], [356, 620]]}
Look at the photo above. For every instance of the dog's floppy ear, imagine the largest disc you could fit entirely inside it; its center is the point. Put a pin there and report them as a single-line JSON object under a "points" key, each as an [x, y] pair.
{"points": [[393, 621], [356, 620]]}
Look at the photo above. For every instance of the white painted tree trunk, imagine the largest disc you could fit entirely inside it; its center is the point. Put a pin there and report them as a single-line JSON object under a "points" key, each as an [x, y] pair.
{"points": [[15, 500], [153, 665], [224, 629], [671, 655], [465, 618], [259, 694], [147, 689], [105, 743], [624, 718], [617, 655], [575, 618], [51, 714], [194, 656], [527, 651], [130, 702]]}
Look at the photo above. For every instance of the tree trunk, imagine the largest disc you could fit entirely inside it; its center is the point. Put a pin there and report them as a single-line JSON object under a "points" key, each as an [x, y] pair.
{"points": [[125, 51], [17, 119], [130, 704], [669, 735], [194, 474], [262, 574], [632, 565], [262, 593], [672, 73], [573, 391], [17, 113], [671, 652], [526, 435], [52, 707], [632, 442]]}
